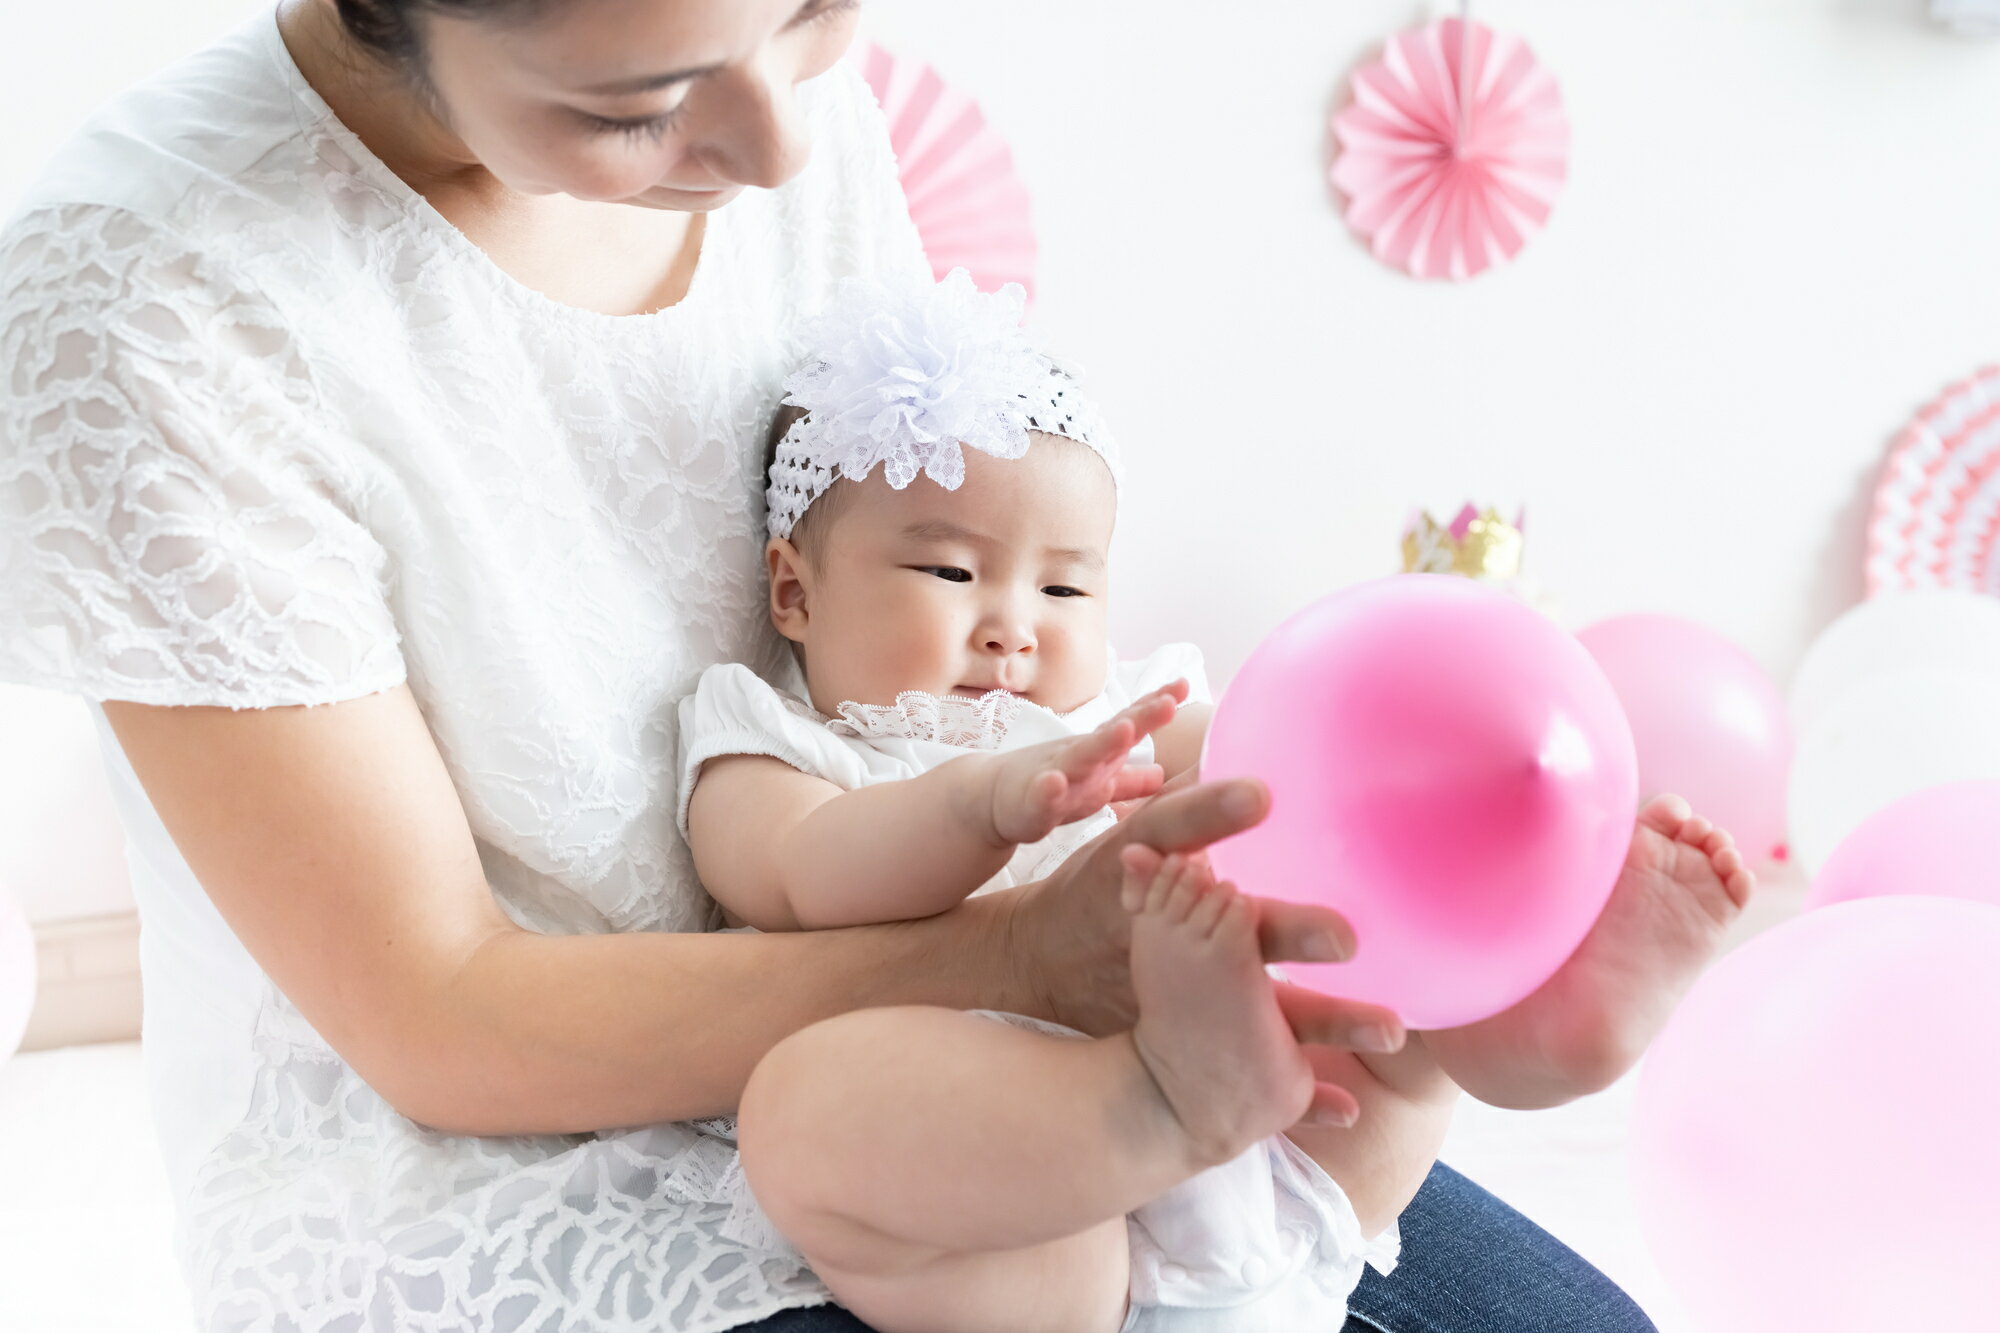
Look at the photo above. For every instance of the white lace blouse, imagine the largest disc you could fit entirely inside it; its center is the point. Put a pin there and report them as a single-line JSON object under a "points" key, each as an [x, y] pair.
{"points": [[273, 432]]}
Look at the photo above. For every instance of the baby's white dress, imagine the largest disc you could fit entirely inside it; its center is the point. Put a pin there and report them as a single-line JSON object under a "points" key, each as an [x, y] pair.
{"points": [[1266, 1243]]}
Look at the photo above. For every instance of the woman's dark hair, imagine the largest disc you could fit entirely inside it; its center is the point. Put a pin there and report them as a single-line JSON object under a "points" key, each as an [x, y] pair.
{"points": [[389, 27]]}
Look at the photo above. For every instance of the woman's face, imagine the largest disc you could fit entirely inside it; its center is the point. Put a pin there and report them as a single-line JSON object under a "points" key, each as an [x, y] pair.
{"points": [[673, 104]]}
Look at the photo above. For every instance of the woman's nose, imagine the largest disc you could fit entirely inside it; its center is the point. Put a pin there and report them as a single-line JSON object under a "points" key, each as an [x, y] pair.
{"points": [[758, 139]]}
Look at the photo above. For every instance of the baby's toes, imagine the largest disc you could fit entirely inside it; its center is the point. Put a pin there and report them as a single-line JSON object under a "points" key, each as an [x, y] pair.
{"points": [[1737, 881], [1208, 907], [1665, 815], [1695, 831], [1184, 893], [1161, 889]]}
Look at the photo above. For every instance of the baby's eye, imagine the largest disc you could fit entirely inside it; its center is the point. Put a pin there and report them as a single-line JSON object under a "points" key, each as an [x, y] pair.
{"points": [[1060, 591], [948, 573]]}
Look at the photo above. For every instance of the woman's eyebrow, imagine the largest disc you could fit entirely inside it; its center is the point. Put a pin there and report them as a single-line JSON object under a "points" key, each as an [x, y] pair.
{"points": [[646, 83]]}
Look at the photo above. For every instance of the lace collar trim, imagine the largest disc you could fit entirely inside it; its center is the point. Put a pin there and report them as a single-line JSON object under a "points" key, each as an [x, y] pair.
{"points": [[984, 723]]}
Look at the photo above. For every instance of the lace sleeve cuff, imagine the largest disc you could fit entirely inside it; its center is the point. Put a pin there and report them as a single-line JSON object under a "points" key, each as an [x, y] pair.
{"points": [[171, 528]]}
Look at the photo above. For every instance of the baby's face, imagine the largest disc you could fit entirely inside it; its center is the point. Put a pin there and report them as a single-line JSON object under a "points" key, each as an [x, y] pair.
{"points": [[1000, 584]]}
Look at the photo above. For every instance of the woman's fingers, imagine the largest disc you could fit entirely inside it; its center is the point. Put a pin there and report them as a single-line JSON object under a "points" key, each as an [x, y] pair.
{"points": [[1185, 818], [1302, 933], [1331, 1107], [1327, 1020]]}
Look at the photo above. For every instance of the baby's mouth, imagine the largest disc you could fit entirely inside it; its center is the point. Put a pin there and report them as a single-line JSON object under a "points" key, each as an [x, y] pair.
{"points": [[975, 692]]}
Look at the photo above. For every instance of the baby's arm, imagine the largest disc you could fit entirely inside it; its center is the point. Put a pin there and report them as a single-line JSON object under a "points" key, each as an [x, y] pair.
{"points": [[782, 850]]}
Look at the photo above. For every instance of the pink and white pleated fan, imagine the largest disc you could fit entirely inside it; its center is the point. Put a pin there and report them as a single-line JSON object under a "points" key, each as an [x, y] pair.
{"points": [[1936, 519], [971, 210], [1453, 150]]}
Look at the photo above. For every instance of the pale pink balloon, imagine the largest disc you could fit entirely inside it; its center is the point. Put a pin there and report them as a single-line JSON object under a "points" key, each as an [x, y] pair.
{"points": [[1812, 1141], [1449, 770], [1943, 841], [1709, 722]]}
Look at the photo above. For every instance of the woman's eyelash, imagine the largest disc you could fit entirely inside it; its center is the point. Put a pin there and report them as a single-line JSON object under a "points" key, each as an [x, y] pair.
{"points": [[645, 127], [656, 127], [827, 11]]}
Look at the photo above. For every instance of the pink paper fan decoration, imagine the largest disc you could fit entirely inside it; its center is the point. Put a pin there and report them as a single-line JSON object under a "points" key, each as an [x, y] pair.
{"points": [[1937, 507], [971, 210], [1453, 150]]}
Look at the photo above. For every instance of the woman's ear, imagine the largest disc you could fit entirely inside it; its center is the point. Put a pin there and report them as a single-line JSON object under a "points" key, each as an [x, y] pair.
{"points": [[790, 581]]}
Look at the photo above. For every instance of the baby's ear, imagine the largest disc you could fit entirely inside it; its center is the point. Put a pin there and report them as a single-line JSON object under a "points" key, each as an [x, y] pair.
{"points": [[789, 588]]}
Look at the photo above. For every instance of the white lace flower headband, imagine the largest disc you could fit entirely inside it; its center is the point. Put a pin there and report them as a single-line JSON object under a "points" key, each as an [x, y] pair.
{"points": [[906, 375]]}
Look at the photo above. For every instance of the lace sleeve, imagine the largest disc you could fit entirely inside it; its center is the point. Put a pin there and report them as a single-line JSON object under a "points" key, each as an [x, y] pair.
{"points": [[173, 532]]}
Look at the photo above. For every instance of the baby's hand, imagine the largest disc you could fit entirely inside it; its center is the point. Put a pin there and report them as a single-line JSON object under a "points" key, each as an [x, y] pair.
{"points": [[1039, 788]]}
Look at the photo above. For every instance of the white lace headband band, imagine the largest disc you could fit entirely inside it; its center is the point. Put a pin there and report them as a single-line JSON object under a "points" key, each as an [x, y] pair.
{"points": [[906, 375]]}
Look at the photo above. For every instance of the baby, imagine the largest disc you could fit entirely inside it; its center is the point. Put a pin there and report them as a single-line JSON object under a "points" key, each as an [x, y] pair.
{"points": [[958, 724]]}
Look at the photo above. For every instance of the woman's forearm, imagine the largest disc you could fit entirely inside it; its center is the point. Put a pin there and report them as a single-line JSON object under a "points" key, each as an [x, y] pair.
{"points": [[894, 850], [547, 1034]]}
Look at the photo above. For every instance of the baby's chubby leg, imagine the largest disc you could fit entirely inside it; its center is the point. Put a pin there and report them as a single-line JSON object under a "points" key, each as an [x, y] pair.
{"points": [[945, 1173]]}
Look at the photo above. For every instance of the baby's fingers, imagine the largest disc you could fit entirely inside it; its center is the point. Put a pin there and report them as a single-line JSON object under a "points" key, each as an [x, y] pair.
{"points": [[1155, 710], [1137, 780], [1094, 751]]}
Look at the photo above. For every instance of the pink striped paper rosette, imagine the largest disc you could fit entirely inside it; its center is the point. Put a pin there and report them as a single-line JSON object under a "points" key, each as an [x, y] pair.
{"points": [[971, 210], [1453, 151], [1937, 507]]}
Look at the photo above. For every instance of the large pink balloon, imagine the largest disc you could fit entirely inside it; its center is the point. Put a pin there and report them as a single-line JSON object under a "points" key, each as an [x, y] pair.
{"points": [[1813, 1143], [1942, 840], [1709, 722], [1449, 771]]}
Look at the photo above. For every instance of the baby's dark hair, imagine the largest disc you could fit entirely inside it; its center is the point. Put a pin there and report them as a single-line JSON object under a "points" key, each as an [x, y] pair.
{"points": [[810, 530]]}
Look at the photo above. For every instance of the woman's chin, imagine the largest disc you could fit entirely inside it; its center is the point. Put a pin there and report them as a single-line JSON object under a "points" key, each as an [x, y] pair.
{"points": [[685, 201]]}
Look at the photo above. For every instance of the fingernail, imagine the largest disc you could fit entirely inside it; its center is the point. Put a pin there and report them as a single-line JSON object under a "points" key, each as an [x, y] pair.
{"points": [[1322, 949], [1335, 1119], [1379, 1039], [1239, 801]]}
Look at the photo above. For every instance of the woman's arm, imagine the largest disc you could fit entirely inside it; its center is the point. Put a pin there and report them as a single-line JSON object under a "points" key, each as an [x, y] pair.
{"points": [[332, 841]]}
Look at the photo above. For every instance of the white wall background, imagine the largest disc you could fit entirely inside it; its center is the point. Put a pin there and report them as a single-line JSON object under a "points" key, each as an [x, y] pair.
{"points": [[1780, 237]]}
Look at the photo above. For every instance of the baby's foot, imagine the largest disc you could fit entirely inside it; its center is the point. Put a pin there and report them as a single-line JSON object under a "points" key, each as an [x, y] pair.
{"points": [[1210, 1031], [1682, 887]]}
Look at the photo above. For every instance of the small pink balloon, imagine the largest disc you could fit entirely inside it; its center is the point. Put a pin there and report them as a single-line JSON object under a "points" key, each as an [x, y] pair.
{"points": [[1943, 841], [1812, 1143], [1708, 721], [1448, 770]]}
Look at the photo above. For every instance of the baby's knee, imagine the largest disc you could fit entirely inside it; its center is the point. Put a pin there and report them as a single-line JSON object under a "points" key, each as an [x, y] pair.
{"points": [[824, 1064]]}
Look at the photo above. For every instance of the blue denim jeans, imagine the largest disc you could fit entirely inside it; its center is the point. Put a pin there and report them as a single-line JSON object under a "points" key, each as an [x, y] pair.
{"points": [[1470, 1264]]}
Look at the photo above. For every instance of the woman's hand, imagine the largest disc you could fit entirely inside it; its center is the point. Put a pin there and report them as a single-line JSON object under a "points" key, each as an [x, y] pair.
{"points": [[1069, 937], [1039, 788]]}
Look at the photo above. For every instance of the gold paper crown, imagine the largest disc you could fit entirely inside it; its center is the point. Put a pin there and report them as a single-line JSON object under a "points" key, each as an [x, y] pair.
{"points": [[1478, 544]]}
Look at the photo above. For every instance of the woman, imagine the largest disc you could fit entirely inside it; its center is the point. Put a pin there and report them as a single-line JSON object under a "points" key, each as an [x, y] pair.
{"points": [[387, 386]]}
